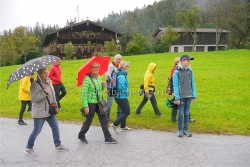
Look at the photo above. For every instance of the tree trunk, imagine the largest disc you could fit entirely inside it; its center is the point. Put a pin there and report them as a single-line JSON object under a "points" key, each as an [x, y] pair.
{"points": [[218, 32], [194, 43]]}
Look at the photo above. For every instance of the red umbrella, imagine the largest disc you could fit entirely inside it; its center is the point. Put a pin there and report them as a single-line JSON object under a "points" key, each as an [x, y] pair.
{"points": [[85, 69]]}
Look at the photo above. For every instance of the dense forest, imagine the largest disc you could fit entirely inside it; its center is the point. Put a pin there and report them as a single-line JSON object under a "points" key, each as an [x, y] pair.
{"points": [[138, 26]]}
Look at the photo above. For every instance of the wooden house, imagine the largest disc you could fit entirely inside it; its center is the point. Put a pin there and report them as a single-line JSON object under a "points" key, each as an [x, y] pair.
{"points": [[86, 36], [206, 40]]}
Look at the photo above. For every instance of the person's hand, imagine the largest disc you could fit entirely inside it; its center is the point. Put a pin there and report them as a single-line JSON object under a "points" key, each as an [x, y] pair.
{"points": [[48, 81], [86, 110], [194, 100], [147, 95], [103, 84], [177, 102], [46, 90]]}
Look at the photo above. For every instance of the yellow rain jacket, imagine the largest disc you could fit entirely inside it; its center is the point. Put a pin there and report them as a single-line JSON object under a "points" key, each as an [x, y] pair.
{"points": [[24, 89], [149, 78]]}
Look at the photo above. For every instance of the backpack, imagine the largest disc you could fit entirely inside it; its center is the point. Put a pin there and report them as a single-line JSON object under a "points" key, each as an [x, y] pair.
{"points": [[112, 83], [170, 89]]}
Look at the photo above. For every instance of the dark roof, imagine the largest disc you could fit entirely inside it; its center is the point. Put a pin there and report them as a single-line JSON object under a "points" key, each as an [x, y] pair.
{"points": [[209, 30], [77, 27]]}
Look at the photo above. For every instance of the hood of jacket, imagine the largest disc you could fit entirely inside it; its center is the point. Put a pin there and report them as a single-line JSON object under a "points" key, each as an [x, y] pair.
{"points": [[179, 67], [151, 67], [123, 72]]}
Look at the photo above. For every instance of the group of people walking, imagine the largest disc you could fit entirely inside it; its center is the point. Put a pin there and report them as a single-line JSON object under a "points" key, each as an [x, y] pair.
{"points": [[183, 91], [42, 92]]}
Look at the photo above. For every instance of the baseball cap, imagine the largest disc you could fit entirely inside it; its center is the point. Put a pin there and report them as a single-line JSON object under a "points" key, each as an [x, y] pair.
{"points": [[186, 57]]}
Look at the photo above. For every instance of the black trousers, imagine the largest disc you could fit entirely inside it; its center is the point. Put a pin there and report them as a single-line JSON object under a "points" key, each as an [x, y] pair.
{"points": [[60, 92], [153, 103], [124, 105], [93, 108], [23, 108]]}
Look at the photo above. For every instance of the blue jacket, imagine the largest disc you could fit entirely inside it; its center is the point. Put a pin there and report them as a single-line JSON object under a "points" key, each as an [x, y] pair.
{"points": [[183, 82], [122, 85]]}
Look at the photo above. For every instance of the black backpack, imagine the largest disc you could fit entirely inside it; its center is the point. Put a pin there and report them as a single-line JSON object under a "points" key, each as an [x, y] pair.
{"points": [[170, 87]]}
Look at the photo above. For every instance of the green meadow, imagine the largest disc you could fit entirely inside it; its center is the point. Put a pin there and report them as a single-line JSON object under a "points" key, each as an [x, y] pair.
{"points": [[222, 81]]}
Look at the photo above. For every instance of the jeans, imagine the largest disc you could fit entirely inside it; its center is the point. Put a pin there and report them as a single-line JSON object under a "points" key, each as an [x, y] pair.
{"points": [[23, 107], [184, 109], [124, 104], [93, 108], [153, 103], [38, 125], [59, 89], [109, 103]]}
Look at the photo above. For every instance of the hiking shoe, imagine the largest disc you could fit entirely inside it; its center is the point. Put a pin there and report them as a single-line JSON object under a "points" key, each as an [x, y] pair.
{"points": [[137, 113], [61, 148], [84, 140], [179, 134], [30, 152], [110, 140], [29, 111], [160, 115], [125, 129], [191, 120], [116, 128], [21, 122], [186, 132]]}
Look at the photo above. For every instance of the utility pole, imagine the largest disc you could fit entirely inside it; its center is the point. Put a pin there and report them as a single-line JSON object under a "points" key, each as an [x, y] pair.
{"points": [[77, 13]]}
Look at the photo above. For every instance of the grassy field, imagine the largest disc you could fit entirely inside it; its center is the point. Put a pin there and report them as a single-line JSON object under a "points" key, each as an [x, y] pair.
{"points": [[223, 88]]}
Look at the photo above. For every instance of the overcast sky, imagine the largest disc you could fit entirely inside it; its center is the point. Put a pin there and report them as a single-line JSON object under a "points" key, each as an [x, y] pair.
{"points": [[14, 13]]}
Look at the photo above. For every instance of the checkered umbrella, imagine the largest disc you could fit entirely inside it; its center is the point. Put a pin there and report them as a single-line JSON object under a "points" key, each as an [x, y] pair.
{"points": [[31, 66]]}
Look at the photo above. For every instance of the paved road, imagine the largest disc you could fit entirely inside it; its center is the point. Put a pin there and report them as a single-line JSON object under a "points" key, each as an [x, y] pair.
{"points": [[134, 148]]}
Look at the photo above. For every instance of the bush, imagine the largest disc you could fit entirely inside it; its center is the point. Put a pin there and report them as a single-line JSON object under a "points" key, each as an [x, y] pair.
{"points": [[247, 45], [133, 48]]}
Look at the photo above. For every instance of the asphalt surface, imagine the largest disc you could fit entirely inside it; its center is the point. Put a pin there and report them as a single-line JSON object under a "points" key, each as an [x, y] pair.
{"points": [[134, 148]]}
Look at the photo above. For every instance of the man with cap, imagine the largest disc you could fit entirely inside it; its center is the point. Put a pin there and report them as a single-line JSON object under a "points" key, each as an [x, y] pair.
{"points": [[184, 92]]}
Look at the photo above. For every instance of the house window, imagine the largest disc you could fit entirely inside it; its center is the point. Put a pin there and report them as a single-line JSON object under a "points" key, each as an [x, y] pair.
{"points": [[175, 49]]}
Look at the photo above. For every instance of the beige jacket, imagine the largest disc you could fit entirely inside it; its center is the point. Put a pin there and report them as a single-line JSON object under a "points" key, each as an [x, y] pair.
{"points": [[40, 105]]}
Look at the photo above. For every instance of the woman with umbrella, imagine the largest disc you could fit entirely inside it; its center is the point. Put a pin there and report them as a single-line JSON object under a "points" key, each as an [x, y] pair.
{"points": [[39, 91], [91, 88]]}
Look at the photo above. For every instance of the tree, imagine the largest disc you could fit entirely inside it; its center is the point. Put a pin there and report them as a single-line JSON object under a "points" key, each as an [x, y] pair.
{"points": [[137, 44], [69, 50], [8, 54], [133, 48], [169, 37], [218, 16], [111, 47], [140, 40], [22, 40], [32, 52], [191, 20], [157, 46], [238, 22]]}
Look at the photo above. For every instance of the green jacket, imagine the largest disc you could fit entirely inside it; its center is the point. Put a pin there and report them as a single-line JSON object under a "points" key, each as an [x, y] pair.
{"points": [[88, 90]]}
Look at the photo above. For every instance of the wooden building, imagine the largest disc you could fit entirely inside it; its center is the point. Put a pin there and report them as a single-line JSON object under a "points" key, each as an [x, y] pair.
{"points": [[86, 36], [206, 40]]}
